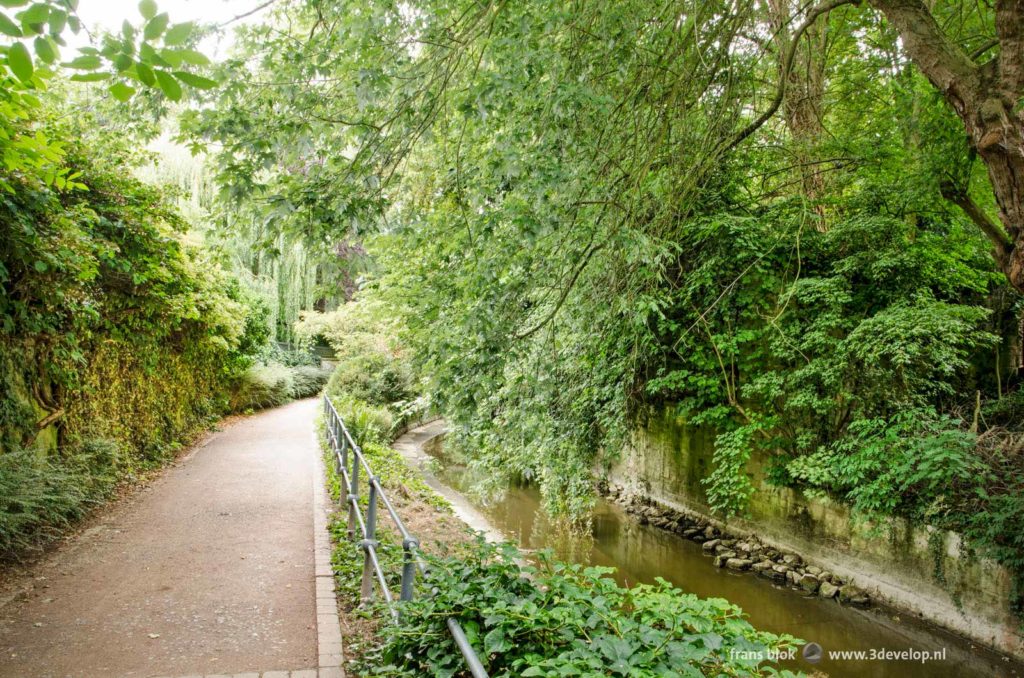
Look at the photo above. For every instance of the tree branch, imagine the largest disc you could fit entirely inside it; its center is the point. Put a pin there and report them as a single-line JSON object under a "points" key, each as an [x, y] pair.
{"points": [[787, 66], [940, 60], [565, 293], [992, 229], [243, 15]]}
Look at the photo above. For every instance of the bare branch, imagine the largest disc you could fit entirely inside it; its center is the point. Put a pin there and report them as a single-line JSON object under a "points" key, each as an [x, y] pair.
{"points": [[243, 15]]}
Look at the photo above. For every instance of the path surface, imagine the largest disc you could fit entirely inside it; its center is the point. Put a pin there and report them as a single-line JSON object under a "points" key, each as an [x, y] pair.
{"points": [[210, 570]]}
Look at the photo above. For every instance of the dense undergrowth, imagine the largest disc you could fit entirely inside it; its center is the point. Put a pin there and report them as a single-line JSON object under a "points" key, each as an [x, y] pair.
{"points": [[554, 619]]}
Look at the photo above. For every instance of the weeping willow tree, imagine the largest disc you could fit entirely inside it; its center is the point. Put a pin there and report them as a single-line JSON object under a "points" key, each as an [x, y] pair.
{"points": [[279, 267]]}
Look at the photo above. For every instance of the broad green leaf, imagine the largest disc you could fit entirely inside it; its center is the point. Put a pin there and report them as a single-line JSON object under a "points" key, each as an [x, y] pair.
{"points": [[168, 85], [8, 27], [44, 50], [178, 33], [151, 57], [193, 80], [122, 62], [20, 61], [58, 20], [128, 31], [89, 77], [10, 4], [171, 57], [190, 56], [36, 14], [121, 91], [86, 62], [145, 74], [148, 9], [155, 28]]}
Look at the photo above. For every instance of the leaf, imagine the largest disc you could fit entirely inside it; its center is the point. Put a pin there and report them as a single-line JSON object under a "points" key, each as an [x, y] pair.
{"points": [[34, 15], [190, 56], [8, 27], [89, 77], [193, 80], [145, 74], [155, 28], [86, 62], [168, 85], [121, 91], [58, 20], [13, 3], [44, 50], [178, 33], [150, 56], [20, 61], [147, 8]]}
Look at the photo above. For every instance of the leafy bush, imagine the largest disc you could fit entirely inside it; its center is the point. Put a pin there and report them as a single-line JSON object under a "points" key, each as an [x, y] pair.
{"points": [[371, 366], [262, 386], [308, 380], [274, 384], [565, 620], [366, 423], [40, 497]]}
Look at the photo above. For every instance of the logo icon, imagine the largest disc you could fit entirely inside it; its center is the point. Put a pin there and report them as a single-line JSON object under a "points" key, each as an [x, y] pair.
{"points": [[812, 653]]}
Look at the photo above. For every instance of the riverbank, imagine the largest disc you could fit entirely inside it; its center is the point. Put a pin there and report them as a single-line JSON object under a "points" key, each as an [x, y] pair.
{"points": [[638, 545], [928, 574]]}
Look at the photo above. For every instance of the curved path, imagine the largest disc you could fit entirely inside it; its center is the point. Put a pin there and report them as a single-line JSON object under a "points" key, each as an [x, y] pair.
{"points": [[214, 569]]}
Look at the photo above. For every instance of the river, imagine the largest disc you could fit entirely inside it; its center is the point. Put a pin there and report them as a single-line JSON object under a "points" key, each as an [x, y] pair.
{"points": [[639, 553]]}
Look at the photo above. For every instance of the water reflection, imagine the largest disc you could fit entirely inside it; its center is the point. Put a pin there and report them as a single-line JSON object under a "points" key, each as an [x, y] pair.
{"points": [[642, 552]]}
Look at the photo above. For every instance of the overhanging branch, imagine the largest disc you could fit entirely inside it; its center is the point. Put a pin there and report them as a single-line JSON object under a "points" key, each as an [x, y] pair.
{"points": [[992, 230]]}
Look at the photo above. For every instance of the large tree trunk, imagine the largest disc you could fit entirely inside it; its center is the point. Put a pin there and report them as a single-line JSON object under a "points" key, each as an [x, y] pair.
{"points": [[804, 95], [986, 97]]}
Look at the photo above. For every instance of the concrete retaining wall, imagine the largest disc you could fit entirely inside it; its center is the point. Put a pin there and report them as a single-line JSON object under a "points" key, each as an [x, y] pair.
{"points": [[915, 569]]}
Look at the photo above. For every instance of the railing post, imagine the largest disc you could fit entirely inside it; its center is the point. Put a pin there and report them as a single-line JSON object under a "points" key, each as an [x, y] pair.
{"points": [[408, 567], [370, 540], [353, 495]]}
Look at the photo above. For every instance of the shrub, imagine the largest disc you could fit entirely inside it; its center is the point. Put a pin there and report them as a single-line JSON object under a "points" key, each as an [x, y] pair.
{"points": [[373, 375], [366, 423], [263, 386], [274, 384], [308, 380], [565, 620], [39, 497]]}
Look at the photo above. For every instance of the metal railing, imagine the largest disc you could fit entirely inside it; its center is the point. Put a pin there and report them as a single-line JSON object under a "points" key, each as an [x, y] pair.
{"points": [[348, 460]]}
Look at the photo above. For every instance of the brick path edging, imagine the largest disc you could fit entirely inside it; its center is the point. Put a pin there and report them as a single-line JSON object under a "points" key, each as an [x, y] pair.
{"points": [[328, 626]]}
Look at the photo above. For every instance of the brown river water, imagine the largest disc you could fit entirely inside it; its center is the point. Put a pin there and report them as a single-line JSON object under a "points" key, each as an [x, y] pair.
{"points": [[640, 553]]}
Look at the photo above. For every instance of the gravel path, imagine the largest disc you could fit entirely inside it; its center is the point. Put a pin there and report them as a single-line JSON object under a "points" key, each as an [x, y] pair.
{"points": [[209, 570]]}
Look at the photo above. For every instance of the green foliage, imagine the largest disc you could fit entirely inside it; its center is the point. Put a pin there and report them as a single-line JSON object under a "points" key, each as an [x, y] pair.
{"points": [[112, 327], [556, 619], [39, 498], [133, 56], [367, 424], [273, 384], [372, 366]]}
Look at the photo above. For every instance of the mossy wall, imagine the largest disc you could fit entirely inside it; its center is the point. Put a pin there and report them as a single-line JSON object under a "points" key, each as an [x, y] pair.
{"points": [[929, 573]]}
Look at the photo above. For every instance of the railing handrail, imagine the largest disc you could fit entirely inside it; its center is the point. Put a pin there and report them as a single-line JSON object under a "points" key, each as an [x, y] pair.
{"points": [[340, 441]]}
